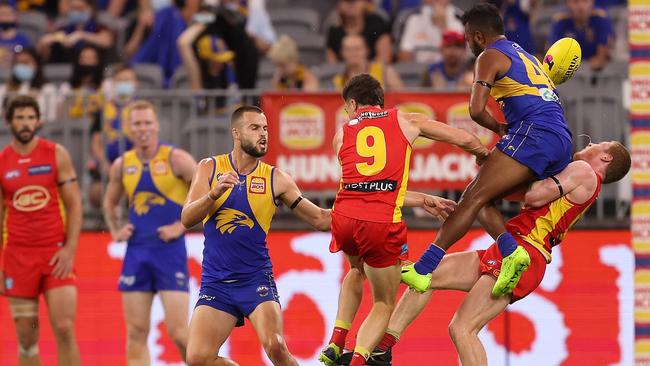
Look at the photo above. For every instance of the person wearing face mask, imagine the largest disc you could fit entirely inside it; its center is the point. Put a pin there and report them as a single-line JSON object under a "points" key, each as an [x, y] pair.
{"points": [[81, 28], [110, 137], [27, 79], [10, 37], [85, 83], [154, 35], [422, 36]]}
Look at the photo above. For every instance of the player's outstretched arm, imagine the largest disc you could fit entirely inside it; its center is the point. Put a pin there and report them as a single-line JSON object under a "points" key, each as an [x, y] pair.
{"points": [[489, 65], [201, 198], [416, 124], [438, 207], [288, 193], [578, 181]]}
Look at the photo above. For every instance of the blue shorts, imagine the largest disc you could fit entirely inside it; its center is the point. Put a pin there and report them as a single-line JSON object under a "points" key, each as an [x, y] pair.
{"points": [[239, 298], [153, 269], [544, 151]]}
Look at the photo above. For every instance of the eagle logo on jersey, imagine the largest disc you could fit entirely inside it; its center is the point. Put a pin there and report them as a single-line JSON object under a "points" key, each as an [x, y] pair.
{"points": [[144, 200], [228, 219]]}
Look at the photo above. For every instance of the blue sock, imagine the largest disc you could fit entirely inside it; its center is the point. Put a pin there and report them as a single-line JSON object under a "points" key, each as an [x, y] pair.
{"points": [[429, 260], [506, 243]]}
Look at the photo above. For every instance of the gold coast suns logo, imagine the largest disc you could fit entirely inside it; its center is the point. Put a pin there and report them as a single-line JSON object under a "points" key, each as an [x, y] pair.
{"points": [[31, 198], [143, 201], [229, 219]]}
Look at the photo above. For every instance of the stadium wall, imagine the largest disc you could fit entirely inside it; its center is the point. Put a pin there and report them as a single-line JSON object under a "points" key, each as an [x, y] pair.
{"points": [[582, 314]]}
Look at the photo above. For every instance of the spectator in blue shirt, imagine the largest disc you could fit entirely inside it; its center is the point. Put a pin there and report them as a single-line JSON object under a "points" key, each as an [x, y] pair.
{"points": [[10, 37], [516, 18], [454, 72], [589, 26]]}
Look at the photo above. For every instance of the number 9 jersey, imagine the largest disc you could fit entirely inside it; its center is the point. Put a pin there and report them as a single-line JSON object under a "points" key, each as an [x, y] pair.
{"points": [[374, 157]]}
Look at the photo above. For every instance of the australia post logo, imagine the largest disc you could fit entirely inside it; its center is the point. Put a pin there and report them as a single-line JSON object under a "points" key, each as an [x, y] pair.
{"points": [[31, 198]]}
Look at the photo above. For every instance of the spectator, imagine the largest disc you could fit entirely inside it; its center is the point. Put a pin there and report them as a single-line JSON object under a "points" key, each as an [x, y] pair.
{"points": [[154, 37], [10, 37], [48, 7], [27, 79], [353, 17], [394, 7], [453, 72], [289, 73], [355, 57], [86, 83], [81, 28], [589, 26], [423, 30], [258, 25], [109, 136], [516, 19]]}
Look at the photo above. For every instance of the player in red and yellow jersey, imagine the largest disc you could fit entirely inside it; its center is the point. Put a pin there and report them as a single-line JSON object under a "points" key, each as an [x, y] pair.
{"points": [[41, 215], [374, 149], [551, 207]]}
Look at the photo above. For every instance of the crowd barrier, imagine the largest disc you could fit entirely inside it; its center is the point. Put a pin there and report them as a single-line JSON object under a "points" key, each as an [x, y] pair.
{"points": [[582, 314]]}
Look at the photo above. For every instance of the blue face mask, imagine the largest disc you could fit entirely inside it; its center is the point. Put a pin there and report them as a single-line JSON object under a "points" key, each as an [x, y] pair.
{"points": [[160, 4], [124, 88], [79, 17], [203, 18], [24, 72]]}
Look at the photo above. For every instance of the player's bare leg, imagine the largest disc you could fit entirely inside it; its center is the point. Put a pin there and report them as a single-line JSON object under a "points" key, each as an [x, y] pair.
{"points": [[62, 309], [137, 315], [478, 308], [348, 305], [384, 283], [267, 321], [209, 329], [25, 314], [176, 305]]}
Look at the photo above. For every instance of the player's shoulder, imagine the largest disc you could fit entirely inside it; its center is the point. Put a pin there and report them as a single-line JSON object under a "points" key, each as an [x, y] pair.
{"points": [[580, 169]]}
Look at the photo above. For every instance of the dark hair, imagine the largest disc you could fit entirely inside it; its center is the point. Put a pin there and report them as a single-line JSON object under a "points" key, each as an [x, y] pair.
{"points": [[21, 101], [121, 67], [620, 164], [38, 80], [365, 90], [238, 114], [485, 18], [77, 75]]}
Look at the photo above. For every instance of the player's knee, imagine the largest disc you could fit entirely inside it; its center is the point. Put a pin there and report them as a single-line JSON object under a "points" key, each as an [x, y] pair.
{"points": [[198, 358], [137, 334], [459, 329], [179, 336], [27, 332], [64, 330], [275, 347]]}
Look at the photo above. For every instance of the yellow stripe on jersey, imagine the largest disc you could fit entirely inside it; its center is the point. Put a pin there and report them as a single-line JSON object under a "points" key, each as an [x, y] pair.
{"points": [[546, 224], [131, 173], [506, 88], [397, 212]]}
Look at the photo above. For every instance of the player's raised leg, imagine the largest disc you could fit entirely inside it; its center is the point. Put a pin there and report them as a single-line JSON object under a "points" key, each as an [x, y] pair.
{"points": [[348, 305], [176, 304], [25, 314], [384, 283], [478, 308], [137, 315], [267, 321], [209, 329], [62, 307]]}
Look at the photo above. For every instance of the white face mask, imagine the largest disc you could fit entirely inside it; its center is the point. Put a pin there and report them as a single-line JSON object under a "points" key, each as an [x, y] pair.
{"points": [[203, 18], [160, 4]]}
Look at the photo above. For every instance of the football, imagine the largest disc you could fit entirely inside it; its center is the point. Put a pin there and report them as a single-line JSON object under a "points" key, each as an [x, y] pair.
{"points": [[562, 60]]}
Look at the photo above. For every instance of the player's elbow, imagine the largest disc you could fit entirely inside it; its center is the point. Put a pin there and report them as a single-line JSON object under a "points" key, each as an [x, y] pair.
{"points": [[533, 200], [475, 111], [187, 220], [324, 222]]}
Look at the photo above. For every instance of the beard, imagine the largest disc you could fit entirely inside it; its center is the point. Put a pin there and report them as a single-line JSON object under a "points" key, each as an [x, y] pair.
{"points": [[476, 49], [24, 136], [252, 149]]}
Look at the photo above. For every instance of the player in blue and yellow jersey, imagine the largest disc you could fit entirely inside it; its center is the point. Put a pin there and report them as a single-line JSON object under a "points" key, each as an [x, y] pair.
{"points": [[236, 195], [535, 142], [155, 178]]}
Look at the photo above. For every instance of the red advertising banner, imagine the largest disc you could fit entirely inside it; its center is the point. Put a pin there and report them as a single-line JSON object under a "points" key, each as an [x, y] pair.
{"points": [[582, 313], [302, 126]]}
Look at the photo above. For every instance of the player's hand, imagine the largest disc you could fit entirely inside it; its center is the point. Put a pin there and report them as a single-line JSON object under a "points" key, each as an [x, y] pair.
{"points": [[225, 181], [438, 207], [124, 233], [62, 261], [170, 232]]}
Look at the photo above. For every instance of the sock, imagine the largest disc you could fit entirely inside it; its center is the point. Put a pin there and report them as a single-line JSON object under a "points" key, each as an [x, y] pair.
{"points": [[339, 333], [360, 356], [388, 341], [507, 244], [429, 260]]}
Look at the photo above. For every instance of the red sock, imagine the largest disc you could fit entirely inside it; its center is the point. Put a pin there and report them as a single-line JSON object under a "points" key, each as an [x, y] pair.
{"points": [[358, 360], [387, 342], [339, 333]]}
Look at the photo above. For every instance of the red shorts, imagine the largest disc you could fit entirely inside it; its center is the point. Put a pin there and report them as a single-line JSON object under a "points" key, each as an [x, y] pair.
{"points": [[378, 244], [530, 279], [28, 273]]}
